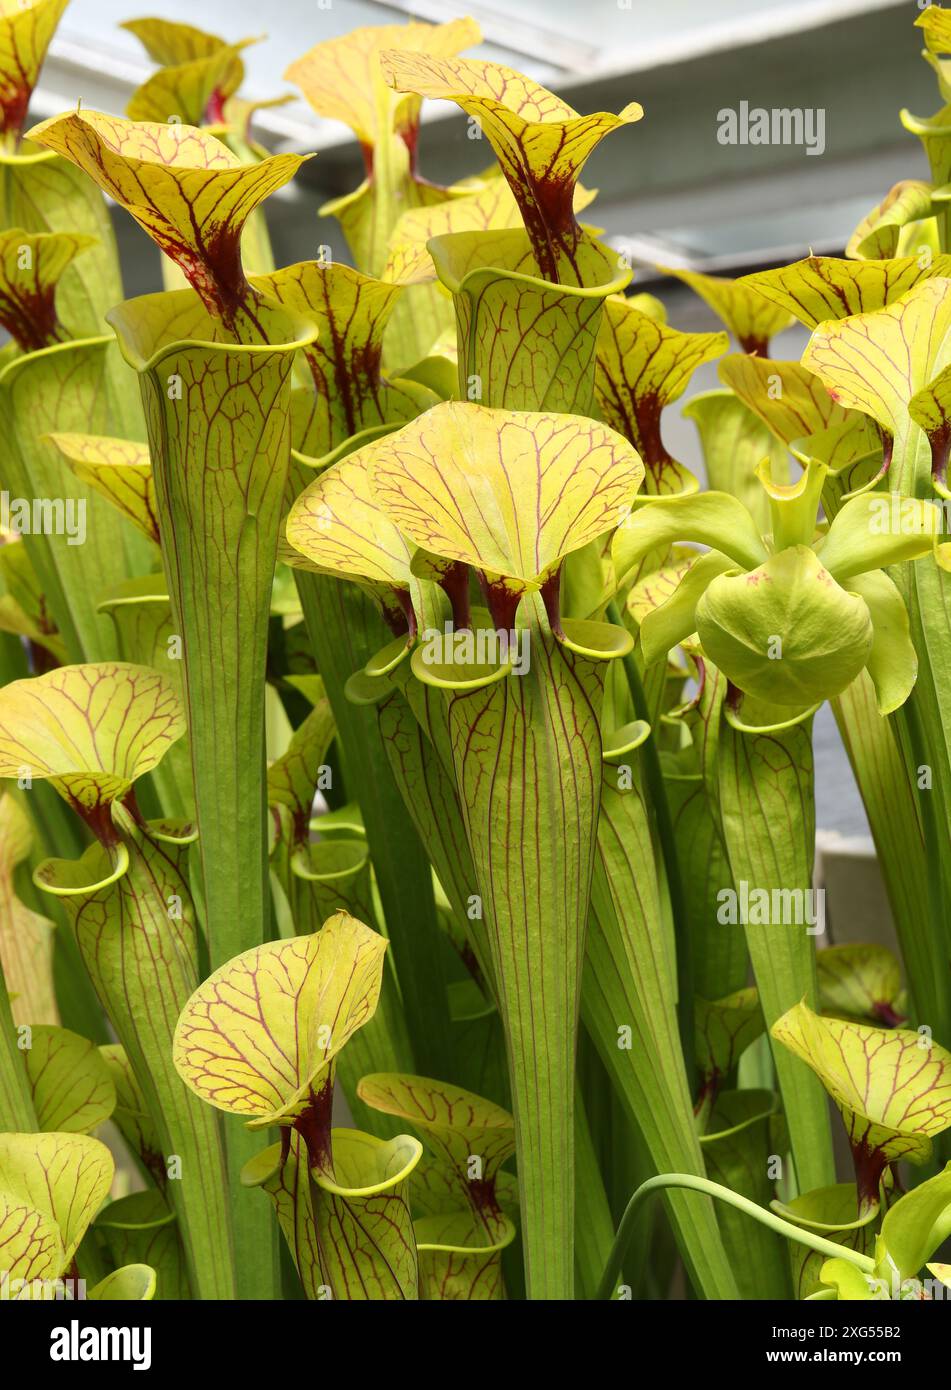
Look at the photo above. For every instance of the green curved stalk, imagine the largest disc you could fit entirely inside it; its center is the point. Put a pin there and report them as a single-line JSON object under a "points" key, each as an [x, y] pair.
{"points": [[723, 1194]]}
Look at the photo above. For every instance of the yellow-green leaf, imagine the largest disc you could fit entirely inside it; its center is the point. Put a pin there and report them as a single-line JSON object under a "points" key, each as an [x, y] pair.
{"points": [[793, 507], [292, 778], [642, 366], [653, 590], [832, 1211], [24, 609], [91, 729], [491, 208], [31, 264], [26, 938], [283, 1173], [749, 315], [862, 982], [892, 1087], [851, 1284], [913, 1228], [261, 1032], [341, 77], [131, 1114], [541, 143], [876, 362], [511, 493], [675, 620], [363, 1218], [185, 90], [712, 518], [118, 468], [351, 312], [524, 342], [879, 362], [734, 442], [340, 527], [724, 1029], [457, 1261], [876, 529], [72, 1088], [183, 187], [459, 1125], [131, 1283], [878, 236], [791, 401], [892, 662], [61, 1180], [26, 27], [167, 42], [937, 26], [31, 1245], [824, 287]]}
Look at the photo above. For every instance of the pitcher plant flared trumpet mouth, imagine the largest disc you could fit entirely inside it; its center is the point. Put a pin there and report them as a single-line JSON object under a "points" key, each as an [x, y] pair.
{"points": [[185, 189], [407, 849]]}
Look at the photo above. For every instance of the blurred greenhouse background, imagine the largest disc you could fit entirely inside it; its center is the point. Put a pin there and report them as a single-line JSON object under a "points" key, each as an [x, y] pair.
{"points": [[669, 192]]}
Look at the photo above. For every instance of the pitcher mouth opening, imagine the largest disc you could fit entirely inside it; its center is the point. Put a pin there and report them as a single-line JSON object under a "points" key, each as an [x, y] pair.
{"points": [[464, 261], [151, 326]]}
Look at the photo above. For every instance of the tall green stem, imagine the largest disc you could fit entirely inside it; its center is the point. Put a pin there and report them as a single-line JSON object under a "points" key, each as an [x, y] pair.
{"points": [[767, 805], [668, 847]]}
